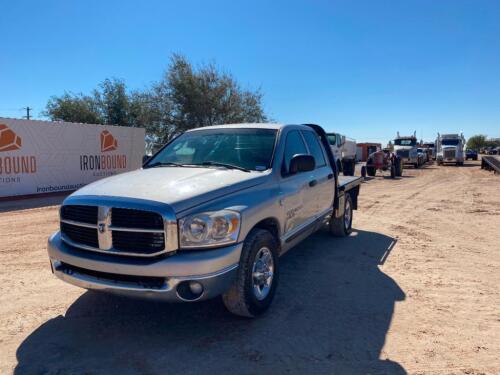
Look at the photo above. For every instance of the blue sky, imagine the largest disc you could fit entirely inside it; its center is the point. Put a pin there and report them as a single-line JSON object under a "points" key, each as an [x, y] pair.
{"points": [[364, 68]]}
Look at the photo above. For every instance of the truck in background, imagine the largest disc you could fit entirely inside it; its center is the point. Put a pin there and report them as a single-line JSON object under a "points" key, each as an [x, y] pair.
{"points": [[450, 149], [344, 151], [431, 146], [405, 147]]}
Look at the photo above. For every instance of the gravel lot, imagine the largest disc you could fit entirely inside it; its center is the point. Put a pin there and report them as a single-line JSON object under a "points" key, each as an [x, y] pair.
{"points": [[415, 289]]}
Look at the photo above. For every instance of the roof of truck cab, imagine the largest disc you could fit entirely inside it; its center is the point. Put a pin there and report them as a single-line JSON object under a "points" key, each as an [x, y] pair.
{"points": [[246, 126]]}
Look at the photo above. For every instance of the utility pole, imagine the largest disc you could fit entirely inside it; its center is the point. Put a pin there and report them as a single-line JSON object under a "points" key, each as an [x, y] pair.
{"points": [[28, 109]]}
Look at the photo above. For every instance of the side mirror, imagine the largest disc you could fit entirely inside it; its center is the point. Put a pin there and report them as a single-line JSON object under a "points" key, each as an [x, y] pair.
{"points": [[301, 163], [343, 140]]}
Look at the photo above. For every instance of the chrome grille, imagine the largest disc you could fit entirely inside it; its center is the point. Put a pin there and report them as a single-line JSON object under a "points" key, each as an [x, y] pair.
{"points": [[115, 230], [449, 154]]}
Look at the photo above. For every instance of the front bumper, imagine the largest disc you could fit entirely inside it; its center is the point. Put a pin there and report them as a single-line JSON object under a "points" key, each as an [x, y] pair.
{"points": [[214, 269]]}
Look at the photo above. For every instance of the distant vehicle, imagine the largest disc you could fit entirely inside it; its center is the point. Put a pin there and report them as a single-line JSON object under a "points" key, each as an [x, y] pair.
{"points": [[431, 147], [383, 160], [405, 148], [344, 150], [450, 148], [470, 154], [423, 156], [494, 151]]}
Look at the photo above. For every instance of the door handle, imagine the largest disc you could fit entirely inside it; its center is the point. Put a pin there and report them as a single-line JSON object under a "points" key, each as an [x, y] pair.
{"points": [[330, 176], [313, 183]]}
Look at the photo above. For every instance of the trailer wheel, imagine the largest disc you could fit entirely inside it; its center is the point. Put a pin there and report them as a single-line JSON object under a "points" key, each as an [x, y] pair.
{"points": [[253, 290], [342, 226], [363, 171]]}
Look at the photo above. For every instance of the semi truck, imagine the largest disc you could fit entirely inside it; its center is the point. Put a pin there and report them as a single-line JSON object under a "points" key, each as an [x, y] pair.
{"points": [[344, 151], [450, 149], [405, 147], [208, 215]]}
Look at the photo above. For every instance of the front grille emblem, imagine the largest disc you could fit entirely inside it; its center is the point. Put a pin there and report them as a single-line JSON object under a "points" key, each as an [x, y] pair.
{"points": [[102, 228]]}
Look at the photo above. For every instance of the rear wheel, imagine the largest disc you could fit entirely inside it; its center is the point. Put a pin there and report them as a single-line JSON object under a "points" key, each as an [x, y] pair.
{"points": [[342, 226], [253, 290]]}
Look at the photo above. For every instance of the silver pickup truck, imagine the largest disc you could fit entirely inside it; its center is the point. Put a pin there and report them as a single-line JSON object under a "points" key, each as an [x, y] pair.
{"points": [[209, 214]]}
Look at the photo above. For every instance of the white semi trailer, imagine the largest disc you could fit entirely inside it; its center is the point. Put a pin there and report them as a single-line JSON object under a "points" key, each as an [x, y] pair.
{"points": [[450, 149]]}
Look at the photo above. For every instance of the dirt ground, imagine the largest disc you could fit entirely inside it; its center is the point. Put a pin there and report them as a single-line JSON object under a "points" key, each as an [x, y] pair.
{"points": [[415, 289]]}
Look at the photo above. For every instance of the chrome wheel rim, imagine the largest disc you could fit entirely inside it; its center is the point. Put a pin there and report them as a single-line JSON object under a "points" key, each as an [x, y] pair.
{"points": [[262, 273], [347, 214]]}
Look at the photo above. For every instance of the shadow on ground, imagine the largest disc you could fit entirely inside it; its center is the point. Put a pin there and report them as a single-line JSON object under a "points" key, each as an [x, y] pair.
{"points": [[29, 203], [331, 315]]}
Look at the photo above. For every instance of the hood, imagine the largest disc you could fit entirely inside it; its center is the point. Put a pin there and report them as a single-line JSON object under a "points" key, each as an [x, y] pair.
{"points": [[179, 187]]}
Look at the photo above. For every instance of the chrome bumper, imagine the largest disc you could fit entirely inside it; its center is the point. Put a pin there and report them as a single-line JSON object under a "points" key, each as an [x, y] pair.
{"points": [[214, 269]]}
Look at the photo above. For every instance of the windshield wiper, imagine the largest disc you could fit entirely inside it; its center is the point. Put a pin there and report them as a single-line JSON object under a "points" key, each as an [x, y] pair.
{"points": [[225, 165], [163, 164]]}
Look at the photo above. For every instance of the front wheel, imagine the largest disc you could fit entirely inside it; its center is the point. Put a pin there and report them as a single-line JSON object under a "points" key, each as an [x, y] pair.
{"points": [[342, 226], [393, 171], [253, 290]]}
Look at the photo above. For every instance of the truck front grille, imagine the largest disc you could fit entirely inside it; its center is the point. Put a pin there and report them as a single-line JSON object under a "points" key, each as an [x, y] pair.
{"points": [[124, 232], [130, 218], [146, 243], [83, 235], [84, 214], [403, 153], [449, 154]]}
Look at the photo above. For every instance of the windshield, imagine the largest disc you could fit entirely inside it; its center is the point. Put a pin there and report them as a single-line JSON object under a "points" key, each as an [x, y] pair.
{"points": [[332, 138], [429, 145], [420, 150], [405, 142], [449, 142], [244, 148]]}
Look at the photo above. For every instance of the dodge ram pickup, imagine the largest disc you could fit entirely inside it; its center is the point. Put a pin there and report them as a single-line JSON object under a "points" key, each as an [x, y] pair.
{"points": [[209, 214]]}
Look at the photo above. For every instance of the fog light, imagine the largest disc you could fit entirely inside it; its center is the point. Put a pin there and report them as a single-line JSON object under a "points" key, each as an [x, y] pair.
{"points": [[189, 290], [195, 287]]}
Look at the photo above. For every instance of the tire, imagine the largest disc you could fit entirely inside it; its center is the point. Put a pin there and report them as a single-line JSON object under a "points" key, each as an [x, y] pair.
{"points": [[415, 165], [342, 226], [243, 297], [393, 171]]}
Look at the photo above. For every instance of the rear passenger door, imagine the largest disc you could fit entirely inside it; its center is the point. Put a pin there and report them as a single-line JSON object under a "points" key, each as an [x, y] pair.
{"points": [[322, 178]]}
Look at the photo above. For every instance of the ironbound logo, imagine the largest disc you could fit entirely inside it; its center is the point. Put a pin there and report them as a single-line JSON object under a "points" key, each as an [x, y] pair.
{"points": [[17, 164], [104, 162]]}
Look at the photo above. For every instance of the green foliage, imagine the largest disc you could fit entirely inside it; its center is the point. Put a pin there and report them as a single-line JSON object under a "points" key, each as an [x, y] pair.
{"points": [[477, 142], [183, 99]]}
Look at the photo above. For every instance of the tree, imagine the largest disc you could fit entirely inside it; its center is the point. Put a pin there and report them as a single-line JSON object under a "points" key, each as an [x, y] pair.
{"points": [[184, 98], [477, 141]]}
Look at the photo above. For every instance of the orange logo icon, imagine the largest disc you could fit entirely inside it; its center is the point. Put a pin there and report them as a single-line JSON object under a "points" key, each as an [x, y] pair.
{"points": [[108, 142], [9, 140]]}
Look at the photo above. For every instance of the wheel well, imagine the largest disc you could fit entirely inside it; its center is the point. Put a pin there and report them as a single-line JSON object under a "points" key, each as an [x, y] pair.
{"points": [[271, 225]]}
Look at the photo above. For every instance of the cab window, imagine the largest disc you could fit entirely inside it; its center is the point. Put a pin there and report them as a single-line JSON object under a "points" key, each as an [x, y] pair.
{"points": [[314, 148], [294, 145]]}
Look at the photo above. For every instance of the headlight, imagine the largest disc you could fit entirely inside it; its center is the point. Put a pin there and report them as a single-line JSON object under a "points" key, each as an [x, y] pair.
{"points": [[209, 229]]}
